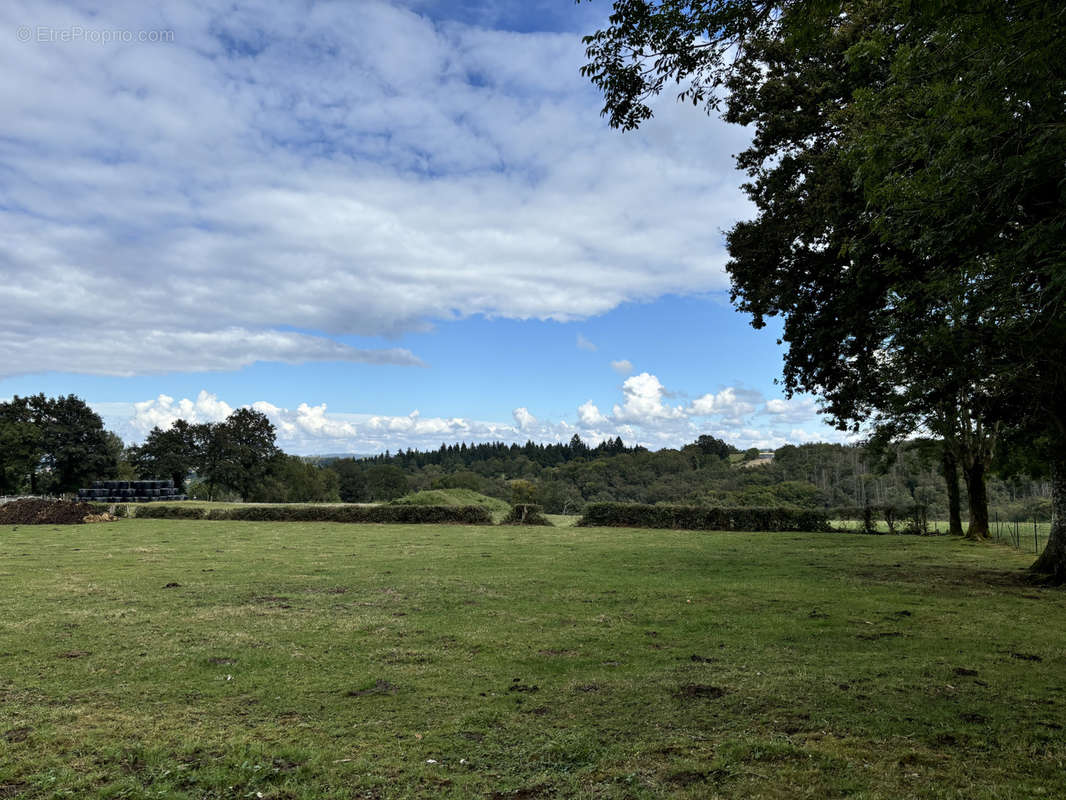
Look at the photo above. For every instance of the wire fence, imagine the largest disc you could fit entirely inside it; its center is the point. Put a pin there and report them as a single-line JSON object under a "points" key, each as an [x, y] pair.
{"points": [[1031, 536]]}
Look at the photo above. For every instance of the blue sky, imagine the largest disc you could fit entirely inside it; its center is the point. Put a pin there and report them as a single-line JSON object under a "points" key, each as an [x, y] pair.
{"points": [[384, 224]]}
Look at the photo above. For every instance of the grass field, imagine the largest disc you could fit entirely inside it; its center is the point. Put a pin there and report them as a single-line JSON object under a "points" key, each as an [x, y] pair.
{"points": [[175, 659]]}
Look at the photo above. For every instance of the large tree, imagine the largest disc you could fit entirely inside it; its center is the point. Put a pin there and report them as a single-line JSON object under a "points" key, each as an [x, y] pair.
{"points": [[76, 448], [237, 452], [881, 326], [53, 445], [963, 155], [853, 305], [172, 453]]}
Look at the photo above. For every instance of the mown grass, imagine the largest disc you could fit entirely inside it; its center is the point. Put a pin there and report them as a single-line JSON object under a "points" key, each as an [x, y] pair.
{"points": [[178, 659]]}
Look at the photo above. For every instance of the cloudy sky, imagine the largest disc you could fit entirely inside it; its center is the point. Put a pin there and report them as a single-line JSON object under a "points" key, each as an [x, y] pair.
{"points": [[384, 223]]}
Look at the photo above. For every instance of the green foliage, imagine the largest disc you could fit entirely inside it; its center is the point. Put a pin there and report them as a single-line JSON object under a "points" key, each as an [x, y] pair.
{"points": [[20, 445], [453, 497], [797, 494], [385, 482], [162, 511], [461, 479], [54, 445], [523, 492], [291, 479], [351, 480], [906, 169], [242, 448], [634, 515], [398, 514], [170, 454], [806, 476]]}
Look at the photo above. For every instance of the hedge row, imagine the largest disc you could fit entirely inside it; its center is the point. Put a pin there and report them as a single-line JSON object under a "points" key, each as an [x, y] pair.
{"points": [[697, 518], [167, 512], [455, 515]]}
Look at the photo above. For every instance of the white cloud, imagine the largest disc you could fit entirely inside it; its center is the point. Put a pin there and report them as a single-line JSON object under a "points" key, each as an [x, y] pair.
{"points": [[725, 404], [585, 344], [589, 415], [623, 367], [524, 419], [643, 403], [129, 351], [795, 409], [280, 167], [164, 410]]}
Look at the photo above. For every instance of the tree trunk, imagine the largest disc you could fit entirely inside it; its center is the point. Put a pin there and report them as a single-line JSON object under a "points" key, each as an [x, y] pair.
{"points": [[975, 487], [951, 477], [1052, 561]]}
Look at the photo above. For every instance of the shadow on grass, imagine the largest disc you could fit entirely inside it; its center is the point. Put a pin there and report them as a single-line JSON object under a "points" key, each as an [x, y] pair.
{"points": [[953, 577]]}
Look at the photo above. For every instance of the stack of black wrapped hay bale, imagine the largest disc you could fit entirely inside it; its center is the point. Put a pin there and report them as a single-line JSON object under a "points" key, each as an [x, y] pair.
{"points": [[130, 492]]}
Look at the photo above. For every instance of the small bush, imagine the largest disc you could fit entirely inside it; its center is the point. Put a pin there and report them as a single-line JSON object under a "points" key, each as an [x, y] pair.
{"points": [[525, 514], [698, 518]]}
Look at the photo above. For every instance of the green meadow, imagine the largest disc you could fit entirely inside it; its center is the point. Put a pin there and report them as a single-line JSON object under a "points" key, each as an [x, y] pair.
{"points": [[177, 659]]}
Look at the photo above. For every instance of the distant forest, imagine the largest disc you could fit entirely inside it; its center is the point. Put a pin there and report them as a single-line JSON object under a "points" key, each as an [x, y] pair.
{"points": [[564, 477]]}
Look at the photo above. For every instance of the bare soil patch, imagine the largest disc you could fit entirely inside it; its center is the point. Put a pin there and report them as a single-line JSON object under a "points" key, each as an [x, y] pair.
{"points": [[33, 511]]}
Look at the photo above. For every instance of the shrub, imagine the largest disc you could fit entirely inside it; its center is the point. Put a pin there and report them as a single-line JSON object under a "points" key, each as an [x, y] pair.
{"points": [[525, 514], [633, 515]]}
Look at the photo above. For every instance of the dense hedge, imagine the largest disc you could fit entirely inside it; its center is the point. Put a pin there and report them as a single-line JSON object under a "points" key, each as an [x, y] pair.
{"points": [[454, 515], [170, 512], [525, 514], [633, 515]]}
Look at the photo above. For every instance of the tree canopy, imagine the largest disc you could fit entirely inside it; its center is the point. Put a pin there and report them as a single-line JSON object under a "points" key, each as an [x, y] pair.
{"points": [[53, 445], [907, 170]]}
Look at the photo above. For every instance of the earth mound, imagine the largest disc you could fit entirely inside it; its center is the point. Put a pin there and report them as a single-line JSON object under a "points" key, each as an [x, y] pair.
{"points": [[33, 511]]}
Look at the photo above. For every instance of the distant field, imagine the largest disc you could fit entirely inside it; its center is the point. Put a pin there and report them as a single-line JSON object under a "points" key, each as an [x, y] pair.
{"points": [[174, 659], [1026, 536]]}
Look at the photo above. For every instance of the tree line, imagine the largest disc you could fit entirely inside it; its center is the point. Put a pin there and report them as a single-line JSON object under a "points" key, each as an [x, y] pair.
{"points": [[57, 445]]}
